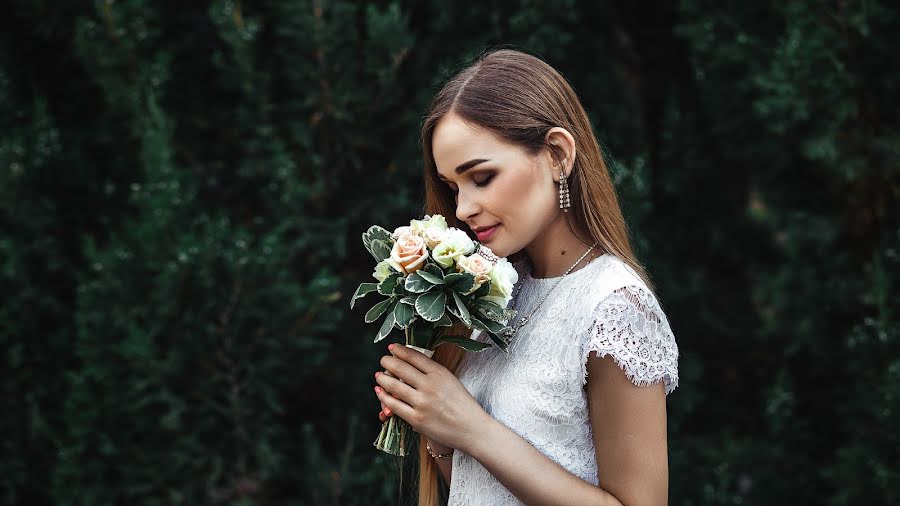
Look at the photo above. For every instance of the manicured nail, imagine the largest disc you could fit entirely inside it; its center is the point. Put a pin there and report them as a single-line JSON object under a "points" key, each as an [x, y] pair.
{"points": [[377, 390], [390, 346], [377, 373]]}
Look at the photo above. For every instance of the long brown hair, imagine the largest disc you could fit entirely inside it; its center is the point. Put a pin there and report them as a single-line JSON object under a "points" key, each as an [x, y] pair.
{"points": [[519, 98]]}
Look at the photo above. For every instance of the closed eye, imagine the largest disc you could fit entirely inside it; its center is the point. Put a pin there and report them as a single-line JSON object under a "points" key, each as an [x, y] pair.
{"points": [[484, 182], [479, 184]]}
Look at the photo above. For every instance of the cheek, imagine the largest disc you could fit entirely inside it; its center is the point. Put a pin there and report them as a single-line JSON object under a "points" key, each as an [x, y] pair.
{"points": [[524, 197], [523, 203], [506, 194]]}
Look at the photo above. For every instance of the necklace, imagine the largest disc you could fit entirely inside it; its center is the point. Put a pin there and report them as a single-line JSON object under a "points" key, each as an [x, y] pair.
{"points": [[511, 331]]}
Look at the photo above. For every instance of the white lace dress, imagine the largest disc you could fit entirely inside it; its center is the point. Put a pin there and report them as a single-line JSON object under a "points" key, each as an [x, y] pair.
{"points": [[537, 390]]}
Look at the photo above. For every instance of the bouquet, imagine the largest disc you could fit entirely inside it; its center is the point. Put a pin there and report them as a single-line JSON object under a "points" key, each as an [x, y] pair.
{"points": [[434, 276]]}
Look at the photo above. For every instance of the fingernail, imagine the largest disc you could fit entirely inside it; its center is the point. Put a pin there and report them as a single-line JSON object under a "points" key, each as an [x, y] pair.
{"points": [[377, 390], [391, 346], [377, 373]]}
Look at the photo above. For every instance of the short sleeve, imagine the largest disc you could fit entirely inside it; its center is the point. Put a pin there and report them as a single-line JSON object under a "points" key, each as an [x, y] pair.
{"points": [[630, 326]]}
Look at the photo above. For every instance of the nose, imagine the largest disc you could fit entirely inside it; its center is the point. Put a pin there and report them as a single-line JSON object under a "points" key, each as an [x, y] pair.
{"points": [[466, 207]]}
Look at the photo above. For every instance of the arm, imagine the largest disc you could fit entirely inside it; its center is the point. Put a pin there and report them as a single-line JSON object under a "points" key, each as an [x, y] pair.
{"points": [[515, 464], [629, 427]]}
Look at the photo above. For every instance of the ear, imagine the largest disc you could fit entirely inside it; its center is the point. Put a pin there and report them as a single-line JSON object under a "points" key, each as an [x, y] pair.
{"points": [[563, 140]]}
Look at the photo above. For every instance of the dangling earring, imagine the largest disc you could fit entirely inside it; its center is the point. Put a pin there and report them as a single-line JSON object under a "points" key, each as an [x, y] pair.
{"points": [[564, 202]]}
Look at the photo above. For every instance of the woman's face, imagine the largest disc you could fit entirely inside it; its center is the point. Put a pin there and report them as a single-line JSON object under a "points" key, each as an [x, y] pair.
{"points": [[496, 183]]}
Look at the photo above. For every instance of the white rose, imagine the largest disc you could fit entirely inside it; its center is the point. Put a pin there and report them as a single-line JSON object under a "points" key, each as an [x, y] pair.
{"points": [[430, 222], [503, 277], [456, 245], [477, 266], [401, 232], [434, 236], [382, 271], [408, 254]]}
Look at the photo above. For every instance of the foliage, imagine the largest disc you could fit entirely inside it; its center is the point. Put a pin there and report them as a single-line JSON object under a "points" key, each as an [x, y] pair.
{"points": [[183, 185]]}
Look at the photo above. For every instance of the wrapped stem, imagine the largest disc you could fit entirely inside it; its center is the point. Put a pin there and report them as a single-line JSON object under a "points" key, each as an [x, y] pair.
{"points": [[393, 436]]}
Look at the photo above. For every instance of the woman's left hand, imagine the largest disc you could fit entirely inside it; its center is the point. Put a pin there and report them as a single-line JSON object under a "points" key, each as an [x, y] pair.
{"points": [[430, 398]]}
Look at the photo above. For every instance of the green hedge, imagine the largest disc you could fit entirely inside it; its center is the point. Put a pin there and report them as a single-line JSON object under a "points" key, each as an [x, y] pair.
{"points": [[183, 186]]}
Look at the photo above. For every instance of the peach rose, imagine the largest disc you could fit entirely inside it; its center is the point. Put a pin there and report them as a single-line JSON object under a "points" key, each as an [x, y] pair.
{"points": [[402, 232], [477, 266], [408, 254]]}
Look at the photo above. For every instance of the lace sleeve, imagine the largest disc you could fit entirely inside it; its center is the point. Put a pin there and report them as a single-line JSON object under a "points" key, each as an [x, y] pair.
{"points": [[630, 326]]}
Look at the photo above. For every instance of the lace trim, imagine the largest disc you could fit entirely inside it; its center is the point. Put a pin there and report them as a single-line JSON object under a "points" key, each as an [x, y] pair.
{"points": [[631, 328]]}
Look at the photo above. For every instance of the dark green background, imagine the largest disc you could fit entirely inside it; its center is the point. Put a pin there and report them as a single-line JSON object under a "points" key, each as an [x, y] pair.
{"points": [[183, 186]]}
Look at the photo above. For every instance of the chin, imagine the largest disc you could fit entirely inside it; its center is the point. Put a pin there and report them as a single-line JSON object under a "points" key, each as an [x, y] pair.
{"points": [[498, 249]]}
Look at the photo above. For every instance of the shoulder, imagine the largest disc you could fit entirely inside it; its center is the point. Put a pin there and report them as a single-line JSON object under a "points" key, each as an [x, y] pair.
{"points": [[628, 324], [613, 273]]}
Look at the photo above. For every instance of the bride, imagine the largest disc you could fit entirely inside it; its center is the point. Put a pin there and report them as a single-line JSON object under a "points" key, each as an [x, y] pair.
{"points": [[575, 412]]}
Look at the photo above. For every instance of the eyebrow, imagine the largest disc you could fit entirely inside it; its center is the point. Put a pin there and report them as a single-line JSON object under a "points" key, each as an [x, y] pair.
{"points": [[466, 166]]}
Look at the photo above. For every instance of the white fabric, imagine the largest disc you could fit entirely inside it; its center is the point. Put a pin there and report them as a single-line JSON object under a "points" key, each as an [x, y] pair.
{"points": [[537, 390]]}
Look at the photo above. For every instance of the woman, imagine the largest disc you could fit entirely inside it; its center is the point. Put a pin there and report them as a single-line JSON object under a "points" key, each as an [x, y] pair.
{"points": [[575, 412]]}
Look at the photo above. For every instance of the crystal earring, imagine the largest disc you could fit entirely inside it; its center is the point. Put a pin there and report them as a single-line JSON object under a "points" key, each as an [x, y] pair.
{"points": [[564, 202]]}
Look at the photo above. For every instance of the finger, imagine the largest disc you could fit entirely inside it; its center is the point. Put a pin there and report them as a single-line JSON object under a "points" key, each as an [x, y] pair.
{"points": [[382, 404], [398, 389], [397, 406], [402, 370], [382, 416], [414, 357]]}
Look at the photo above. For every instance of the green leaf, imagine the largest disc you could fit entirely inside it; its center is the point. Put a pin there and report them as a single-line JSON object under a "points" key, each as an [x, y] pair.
{"points": [[386, 287], [483, 290], [417, 284], [445, 321], [465, 343], [486, 327], [409, 299], [430, 277], [486, 324], [459, 309], [399, 289], [381, 250], [430, 306], [363, 290], [500, 342], [375, 232], [435, 269], [490, 309], [378, 310], [386, 327], [460, 282], [404, 315]]}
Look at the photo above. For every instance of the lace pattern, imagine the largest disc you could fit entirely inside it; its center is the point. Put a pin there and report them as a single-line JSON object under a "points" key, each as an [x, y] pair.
{"points": [[537, 389], [632, 329]]}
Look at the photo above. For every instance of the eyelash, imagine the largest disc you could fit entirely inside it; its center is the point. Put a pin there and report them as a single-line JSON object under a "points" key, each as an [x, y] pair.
{"points": [[479, 185], [485, 182]]}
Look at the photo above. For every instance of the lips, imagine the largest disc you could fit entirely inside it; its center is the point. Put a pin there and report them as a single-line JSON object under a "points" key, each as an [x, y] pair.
{"points": [[487, 233]]}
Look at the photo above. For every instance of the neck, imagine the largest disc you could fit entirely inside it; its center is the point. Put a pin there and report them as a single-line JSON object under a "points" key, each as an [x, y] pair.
{"points": [[555, 250]]}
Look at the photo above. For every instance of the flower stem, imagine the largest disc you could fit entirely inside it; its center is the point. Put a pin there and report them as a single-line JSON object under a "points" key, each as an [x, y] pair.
{"points": [[392, 438]]}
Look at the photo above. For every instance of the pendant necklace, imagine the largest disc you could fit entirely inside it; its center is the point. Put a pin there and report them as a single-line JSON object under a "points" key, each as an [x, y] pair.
{"points": [[511, 331]]}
